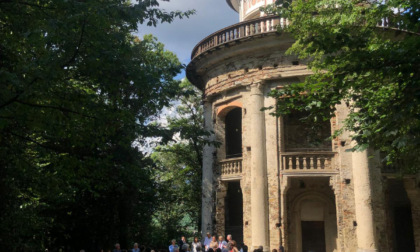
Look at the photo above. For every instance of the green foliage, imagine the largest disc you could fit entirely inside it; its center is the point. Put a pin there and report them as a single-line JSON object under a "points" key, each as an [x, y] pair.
{"points": [[77, 89], [178, 172], [373, 70]]}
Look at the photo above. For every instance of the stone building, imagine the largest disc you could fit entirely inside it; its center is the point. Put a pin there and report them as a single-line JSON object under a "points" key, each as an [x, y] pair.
{"points": [[268, 184]]}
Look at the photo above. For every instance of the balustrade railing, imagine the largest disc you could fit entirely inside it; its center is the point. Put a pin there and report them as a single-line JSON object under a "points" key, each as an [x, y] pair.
{"points": [[231, 167], [251, 28], [239, 31], [307, 161]]}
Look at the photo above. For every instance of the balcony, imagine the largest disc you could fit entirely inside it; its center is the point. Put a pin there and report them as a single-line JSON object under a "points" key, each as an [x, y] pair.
{"points": [[240, 31], [308, 162], [231, 169]]}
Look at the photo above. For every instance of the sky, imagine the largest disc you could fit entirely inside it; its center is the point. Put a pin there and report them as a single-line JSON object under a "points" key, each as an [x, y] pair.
{"points": [[182, 35]]}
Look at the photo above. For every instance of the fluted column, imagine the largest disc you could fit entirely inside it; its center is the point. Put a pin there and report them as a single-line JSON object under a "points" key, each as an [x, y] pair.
{"points": [[207, 179], [259, 212], [366, 240]]}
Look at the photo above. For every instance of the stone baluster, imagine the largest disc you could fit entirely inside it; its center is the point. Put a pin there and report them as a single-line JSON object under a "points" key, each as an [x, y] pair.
{"points": [[327, 163], [290, 165], [311, 162]]}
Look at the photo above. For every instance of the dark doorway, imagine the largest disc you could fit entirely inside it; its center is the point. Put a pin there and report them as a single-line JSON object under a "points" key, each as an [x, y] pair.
{"points": [[233, 212], [313, 236], [400, 218], [404, 229], [233, 133]]}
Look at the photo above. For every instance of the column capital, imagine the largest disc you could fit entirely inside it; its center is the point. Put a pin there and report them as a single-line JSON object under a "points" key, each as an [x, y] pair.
{"points": [[256, 86]]}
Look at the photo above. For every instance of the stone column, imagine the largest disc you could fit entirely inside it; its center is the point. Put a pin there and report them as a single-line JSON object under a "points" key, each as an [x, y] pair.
{"points": [[207, 179], [259, 211], [366, 240], [284, 187]]}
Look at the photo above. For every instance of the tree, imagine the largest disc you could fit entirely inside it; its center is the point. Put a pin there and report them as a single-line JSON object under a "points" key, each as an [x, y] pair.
{"points": [[373, 70], [77, 89], [178, 173]]}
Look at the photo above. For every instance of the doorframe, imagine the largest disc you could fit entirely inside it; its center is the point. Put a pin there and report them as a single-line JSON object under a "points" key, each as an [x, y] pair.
{"points": [[330, 220]]}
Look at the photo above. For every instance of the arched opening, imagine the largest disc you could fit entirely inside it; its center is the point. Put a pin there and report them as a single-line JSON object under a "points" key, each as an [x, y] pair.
{"points": [[312, 215], [301, 136], [233, 133]]}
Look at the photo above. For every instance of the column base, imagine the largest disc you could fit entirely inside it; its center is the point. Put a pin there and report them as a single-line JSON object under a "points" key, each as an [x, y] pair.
{"points": [[367, 250]]}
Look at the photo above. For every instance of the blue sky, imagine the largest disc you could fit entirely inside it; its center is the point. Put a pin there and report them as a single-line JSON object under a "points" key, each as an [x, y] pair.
{"points": [[182, 35]]}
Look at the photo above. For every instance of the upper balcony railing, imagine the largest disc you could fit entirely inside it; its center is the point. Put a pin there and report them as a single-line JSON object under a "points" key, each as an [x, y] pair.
{"points": [[239, 31], [268, 24]]}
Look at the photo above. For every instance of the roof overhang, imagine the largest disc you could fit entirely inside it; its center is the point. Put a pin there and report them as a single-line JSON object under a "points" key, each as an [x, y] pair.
{"points": [[234, 4]]}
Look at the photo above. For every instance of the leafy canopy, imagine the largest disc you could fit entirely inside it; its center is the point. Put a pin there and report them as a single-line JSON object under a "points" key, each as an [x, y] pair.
{"points": [[178, 172], [77, 89], [374, 70]]}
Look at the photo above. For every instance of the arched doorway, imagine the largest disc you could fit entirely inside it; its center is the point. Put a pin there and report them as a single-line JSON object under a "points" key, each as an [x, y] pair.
{"points": [[313, 220]]}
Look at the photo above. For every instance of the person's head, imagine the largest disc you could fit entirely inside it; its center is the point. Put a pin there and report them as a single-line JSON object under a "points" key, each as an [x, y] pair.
{"points": [[195, 239], [117, 246], [136, 245], [220, 238], [213, 238], [173, 242], [229, 237], [261, 248], [183, 238], [218, 250], [274, 250], [185, 247], [208, 234], [210, 250], [232, 243]]}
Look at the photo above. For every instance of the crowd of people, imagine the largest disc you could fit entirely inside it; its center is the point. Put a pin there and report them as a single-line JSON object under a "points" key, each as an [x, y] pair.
{"points": [[209, 244]]}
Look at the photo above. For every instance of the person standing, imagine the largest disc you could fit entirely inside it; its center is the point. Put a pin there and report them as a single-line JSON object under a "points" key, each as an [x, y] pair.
{"points": [[135, 248], [173, 247], [213, 243], [196, 245], [221, 243], [117, 248], [228, 245], [207, 241], [233, 246], [181, 244]]}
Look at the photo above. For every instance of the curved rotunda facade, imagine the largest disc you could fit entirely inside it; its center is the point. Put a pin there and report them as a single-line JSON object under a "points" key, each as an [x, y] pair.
{"points": [[266, 184]]}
